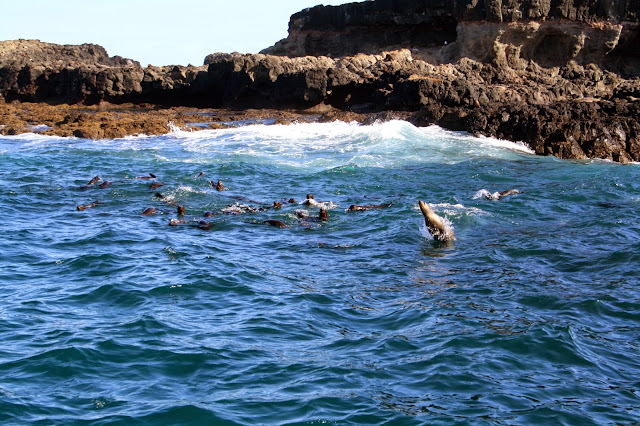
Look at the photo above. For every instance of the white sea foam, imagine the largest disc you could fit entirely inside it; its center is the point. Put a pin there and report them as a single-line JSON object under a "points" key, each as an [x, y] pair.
{"points": [[454, 210], [329, 145], [315, 146], [483, 193]]}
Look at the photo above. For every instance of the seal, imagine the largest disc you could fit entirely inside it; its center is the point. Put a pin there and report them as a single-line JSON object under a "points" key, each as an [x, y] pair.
{"points": [[218, 186], [323, 216], [180, 210], [435, 225], [155, 185], [92, 182], [149, 211], [88, 206], [310, 201], [105, 184], [496, 195], [203, 224], [275, 223], [151, 176], [508, 192], [357, 208]]}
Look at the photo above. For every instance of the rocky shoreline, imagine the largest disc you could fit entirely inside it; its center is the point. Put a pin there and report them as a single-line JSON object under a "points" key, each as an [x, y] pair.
{"points": [[564, 79]]}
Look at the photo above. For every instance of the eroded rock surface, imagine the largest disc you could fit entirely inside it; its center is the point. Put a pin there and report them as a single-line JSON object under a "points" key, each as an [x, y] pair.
{"points": [[561, 75]]}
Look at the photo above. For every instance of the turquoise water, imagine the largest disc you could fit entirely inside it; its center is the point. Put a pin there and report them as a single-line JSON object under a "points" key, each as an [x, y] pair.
{"points": [[532, 316]]}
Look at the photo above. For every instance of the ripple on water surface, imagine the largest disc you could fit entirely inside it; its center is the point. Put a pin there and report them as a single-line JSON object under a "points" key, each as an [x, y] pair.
{"points": [[108, 316]]}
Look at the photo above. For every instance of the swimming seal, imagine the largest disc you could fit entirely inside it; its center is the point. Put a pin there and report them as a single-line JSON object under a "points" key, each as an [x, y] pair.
{"points": [[508, 192], [323, 216], [496, 195], [92, 182], [180, 210], [151, 176], [435, 225], [155, 185], [105, 184], [149, 211], [357, 208], [203, 224], [88, 206], [275, 223], [310, 201]]}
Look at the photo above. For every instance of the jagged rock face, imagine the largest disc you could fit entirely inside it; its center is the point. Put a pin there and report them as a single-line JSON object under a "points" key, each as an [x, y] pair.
{"points": [[24, 52], [497, 87], [505, 32]]}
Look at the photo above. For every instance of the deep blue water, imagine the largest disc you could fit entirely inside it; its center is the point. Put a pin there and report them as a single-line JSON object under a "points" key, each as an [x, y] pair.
{"points": [[532, 316]]}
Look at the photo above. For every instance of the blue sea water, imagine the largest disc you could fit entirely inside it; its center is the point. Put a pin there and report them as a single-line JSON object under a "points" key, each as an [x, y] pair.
{"points": [[532, 316]]}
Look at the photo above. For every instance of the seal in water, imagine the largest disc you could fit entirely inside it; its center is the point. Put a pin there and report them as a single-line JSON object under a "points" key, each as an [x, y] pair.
{"points": [[149, 211], [496, 195], [310, 201], [357, 208], [435, 225], [92, 182], [508, 192], [88, 206], [180, 210], [323, 216], [218, 186], [155, 185], [105, 184], [276, 223], [203, 224], [151, 176]]}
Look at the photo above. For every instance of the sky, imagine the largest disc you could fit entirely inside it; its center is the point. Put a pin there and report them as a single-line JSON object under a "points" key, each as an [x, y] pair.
{"points": [[157, 32]]}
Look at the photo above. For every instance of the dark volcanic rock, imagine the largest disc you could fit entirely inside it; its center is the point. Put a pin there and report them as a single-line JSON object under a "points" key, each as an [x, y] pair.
{"points": [[561, 75], [23, 52], [506, 32]]}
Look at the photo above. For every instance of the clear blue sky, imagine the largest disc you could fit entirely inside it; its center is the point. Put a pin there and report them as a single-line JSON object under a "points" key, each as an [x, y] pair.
{"points": [[158, 32]]}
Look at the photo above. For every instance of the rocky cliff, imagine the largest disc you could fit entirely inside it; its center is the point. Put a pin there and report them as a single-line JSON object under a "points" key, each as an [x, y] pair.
{"points": [[24, 52], [560, 75], [503, 32]]}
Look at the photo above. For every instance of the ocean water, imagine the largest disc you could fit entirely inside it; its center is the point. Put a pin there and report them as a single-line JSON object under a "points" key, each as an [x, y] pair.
{"points": [[532, 316]]}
